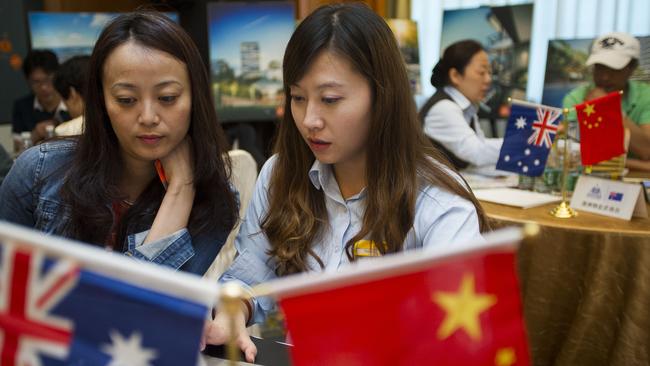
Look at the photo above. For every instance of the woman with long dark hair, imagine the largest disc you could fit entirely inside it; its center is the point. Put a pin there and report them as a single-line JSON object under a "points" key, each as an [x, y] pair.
{"points": [[147, 99], [353, 174]]}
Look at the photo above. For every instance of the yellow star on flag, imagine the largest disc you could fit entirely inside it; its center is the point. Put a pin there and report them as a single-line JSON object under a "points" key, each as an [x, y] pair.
{"points": [[589, 109], [463, 309], [505, 357]]}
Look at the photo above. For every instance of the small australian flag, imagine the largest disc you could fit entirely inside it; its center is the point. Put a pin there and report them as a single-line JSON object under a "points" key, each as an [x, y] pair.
{"points": [[529, 136]]}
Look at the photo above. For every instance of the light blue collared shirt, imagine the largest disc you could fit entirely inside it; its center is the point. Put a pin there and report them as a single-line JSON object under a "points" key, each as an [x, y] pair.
{"points": [[441, 218]]}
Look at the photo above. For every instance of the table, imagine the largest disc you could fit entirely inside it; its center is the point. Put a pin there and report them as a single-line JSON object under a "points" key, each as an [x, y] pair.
{"points": [[585, 286]]}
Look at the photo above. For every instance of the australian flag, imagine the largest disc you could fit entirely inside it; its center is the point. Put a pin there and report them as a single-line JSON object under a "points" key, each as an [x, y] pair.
{"points": [[616, 196], [529, 136], [95, 308]]}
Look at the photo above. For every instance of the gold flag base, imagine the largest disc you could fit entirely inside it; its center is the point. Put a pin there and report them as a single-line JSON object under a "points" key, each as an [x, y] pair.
{"points": [[563, 211]]}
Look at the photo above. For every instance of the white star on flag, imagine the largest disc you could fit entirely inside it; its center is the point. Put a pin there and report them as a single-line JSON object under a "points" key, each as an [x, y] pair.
{"points": [[520, 123], [128, 351]]}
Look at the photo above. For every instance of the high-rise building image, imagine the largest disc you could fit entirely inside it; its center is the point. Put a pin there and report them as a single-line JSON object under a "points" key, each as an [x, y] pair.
{"points": [[250, 59]]}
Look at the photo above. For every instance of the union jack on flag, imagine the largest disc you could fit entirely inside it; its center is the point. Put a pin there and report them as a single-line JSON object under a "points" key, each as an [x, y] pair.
{"points": [[66, 303], [28, 292], [529, 136], [544, 128]]}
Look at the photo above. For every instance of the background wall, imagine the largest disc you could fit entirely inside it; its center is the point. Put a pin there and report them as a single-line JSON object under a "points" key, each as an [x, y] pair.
{"points": [[13, 35], [551, 19]]}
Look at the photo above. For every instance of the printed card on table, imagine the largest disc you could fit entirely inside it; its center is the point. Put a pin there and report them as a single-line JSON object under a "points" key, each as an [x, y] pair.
{"points": [[609, 198]]}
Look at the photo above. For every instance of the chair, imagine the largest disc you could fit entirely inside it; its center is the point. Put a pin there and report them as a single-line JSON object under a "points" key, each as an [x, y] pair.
{"points": [[244, 174]]}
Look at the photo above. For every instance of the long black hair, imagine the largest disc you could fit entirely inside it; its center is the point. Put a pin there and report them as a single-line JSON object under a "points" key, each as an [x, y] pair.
{"points": [[90, 185]]}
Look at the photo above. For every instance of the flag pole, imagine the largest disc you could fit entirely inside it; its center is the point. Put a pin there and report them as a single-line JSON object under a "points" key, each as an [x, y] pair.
{"points": [[231, 297], [563, 210]]}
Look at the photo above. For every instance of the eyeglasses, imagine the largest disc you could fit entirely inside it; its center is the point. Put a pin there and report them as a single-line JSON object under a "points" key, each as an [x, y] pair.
{"points": [[37, 83]]}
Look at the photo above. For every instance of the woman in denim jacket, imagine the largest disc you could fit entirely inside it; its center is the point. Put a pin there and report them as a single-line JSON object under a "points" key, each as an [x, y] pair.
{"points": [[147, 99]]}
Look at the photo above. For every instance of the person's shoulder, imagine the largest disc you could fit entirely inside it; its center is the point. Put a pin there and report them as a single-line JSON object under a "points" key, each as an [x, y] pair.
{"points": [[26, 101], [71, 127], [441, 113], [46, 158], [576, 95], [269, 164], [59, 146], [642, 88], [446, 106], [54, 153], [434, 202], [437, 195], [267, 169]]}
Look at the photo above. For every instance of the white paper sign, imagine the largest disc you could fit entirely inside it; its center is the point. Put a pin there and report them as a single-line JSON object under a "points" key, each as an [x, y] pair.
{"points": [[515, 197], [609, 198]]}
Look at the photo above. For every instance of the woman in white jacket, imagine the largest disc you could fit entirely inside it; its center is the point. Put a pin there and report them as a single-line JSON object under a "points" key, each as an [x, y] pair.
{"points": [[462, 78]]}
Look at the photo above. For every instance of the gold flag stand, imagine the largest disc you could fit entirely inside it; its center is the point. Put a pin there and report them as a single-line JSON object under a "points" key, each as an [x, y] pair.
{"points": [[563, 210], [231, 298]]}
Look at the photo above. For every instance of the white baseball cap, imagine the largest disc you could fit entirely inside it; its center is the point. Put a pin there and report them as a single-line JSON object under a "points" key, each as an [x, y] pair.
{"points": [[614, 50]]}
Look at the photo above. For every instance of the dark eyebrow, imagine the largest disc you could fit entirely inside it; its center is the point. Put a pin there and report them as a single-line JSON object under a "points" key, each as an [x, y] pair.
{"points": [[122, 85], [167, 82], [131, 86], [329, 84]]}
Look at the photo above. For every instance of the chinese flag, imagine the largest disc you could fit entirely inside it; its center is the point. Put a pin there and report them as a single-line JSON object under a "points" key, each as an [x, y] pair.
{"points": [[463, 310], [601, 128]]}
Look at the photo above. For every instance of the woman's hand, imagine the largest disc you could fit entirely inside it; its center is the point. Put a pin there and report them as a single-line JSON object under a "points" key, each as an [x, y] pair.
{"points": [[217, 331], [176, 206], [179, 166]]}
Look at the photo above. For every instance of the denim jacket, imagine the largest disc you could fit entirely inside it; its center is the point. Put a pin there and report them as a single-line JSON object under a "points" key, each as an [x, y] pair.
{"points": [[30, 197]]}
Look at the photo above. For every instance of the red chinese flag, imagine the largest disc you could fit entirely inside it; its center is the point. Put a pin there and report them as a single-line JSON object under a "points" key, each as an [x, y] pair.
{"points": [[601, 128], [463, 310]]}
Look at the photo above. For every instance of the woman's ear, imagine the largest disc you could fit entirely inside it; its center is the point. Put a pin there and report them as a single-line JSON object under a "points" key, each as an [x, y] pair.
{"points": [[454, 76]]}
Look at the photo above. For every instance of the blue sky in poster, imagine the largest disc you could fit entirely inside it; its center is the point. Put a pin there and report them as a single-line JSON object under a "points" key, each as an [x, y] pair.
{"points": [[455, 26], [230, 23], [69, 34], [55, 30]]}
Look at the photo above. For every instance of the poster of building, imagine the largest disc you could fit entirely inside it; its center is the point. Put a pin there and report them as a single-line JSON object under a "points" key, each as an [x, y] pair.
{"points": [[247, 42], [406, 34], [504, 32]]}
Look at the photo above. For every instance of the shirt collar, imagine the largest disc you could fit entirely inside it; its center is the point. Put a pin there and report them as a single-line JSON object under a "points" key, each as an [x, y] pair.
{"points": [[60, 108], [322, 177], [319, 174], [458, 97]]}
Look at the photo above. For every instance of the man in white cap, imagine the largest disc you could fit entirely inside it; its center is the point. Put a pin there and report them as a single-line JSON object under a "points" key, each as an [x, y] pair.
{"points": [[614, 57]]}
